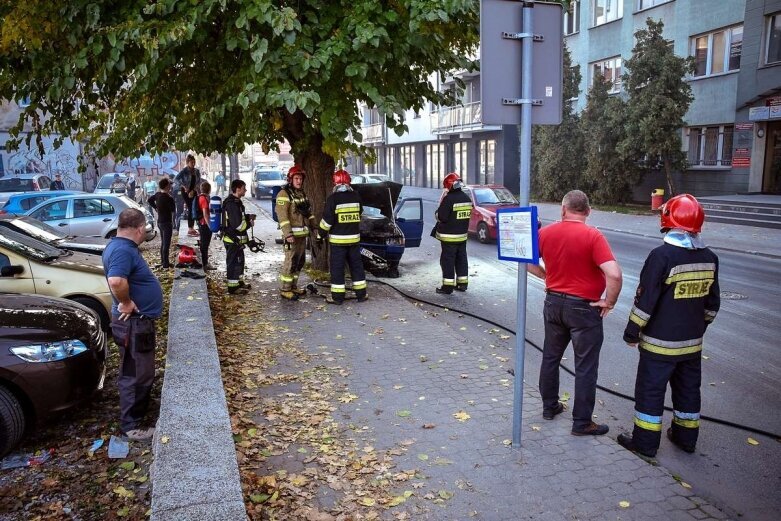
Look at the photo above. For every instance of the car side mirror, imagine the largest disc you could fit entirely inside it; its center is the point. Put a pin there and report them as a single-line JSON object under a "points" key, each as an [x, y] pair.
{"points": [[10, 271]]}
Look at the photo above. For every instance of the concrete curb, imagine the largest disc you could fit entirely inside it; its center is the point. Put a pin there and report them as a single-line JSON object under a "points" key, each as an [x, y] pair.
{"points": [[195, 475]]}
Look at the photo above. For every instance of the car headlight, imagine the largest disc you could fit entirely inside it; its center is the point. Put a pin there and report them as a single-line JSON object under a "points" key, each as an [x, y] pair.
{"points": [[49, 351]]}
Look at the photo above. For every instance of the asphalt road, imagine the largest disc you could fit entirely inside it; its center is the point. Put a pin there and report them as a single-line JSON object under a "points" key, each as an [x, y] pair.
{"points": [[740, 374]]}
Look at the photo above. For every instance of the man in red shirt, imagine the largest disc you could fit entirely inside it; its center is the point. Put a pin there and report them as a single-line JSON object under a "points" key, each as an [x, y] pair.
{"points": [[578, 268]]}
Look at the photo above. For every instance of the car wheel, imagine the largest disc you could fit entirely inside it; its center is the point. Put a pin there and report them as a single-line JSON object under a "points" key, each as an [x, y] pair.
{"points": [[97, 307], [12, 421], [482, 233], [111, 234]]}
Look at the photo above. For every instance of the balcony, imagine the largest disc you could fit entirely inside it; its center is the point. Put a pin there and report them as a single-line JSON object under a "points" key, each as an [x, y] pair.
{"points": [[463, 118], [373, 134]]}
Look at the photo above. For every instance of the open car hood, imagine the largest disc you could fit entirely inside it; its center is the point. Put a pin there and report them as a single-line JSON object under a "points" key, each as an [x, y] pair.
{"points": [[377, 195]]}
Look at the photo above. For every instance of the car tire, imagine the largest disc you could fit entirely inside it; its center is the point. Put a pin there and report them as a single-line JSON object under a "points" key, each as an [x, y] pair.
{"points": [[12, 421], [97, 307], [482, 233], [111, 234]]}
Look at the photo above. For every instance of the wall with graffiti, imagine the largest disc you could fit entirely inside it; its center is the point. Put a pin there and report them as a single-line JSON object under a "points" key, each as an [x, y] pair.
{"points": [[63, 161]]}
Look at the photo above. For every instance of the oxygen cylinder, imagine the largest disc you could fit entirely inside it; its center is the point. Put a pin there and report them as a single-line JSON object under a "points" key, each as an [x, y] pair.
{"points": [[215, 213]]}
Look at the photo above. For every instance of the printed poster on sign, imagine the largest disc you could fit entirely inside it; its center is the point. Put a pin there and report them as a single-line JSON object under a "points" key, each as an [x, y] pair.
{"points": [[516, 236]]}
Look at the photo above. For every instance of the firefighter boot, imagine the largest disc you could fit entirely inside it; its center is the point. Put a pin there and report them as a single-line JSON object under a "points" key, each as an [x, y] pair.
{"points": [[461, 287], [626, 441], [244, 285], [299, 291], [686, 448], [288, 294], [445, 290]]}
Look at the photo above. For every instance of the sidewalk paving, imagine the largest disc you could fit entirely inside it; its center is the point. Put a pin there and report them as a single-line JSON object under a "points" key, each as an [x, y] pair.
{"points": [[412, 368]]}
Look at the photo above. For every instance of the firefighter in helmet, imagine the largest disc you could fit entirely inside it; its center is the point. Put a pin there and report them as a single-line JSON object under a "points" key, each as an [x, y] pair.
{"points": [[452, 216], [342, 222], [294, 212], [677, 297], [234, 236]]}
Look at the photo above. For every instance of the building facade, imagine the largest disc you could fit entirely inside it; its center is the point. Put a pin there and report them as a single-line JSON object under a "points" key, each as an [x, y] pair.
{"points": [[732, 137]]}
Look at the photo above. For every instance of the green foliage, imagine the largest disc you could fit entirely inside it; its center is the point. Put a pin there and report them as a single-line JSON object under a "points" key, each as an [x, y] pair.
{"points": [[558, 151], [212, 75], [609, 175], [658, 100]]}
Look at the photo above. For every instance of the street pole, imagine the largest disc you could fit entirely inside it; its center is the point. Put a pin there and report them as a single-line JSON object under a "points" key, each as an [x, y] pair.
{"points": [[525, 183]]}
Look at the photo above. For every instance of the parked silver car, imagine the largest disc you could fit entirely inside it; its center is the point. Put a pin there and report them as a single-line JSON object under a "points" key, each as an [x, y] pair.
{"points": [[91, 215], [15, 183]]}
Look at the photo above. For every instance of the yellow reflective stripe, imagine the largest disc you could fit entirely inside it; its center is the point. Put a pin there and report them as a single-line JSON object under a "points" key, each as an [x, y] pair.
{"points": [[283, 223], [670, 350], [462, 205], [451, 237], [324, 224], [695, 266], [657, 427], [301, 234], [347, 207], [689, 424], [448, 282], [690, 275], [637, 320], [337, 288], [359, 284], [283, 197], [227, 239], [344, 239], [286, 278], [462, 279]]}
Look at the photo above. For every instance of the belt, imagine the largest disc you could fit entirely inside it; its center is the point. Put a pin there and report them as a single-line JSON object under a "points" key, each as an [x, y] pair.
{"points": [[567, 296]]}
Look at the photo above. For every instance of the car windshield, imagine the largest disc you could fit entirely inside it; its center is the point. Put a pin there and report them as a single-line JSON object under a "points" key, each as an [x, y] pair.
{"points": [[27, 246], [493, 196], [37, 229], [107, 180], [269, 176], [15, 184]]}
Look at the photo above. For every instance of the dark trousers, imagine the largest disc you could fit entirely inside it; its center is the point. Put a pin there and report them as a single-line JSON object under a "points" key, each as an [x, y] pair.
{"points": [[166, 230], [454, 263], [136, 340], [575, 320], [188, 210], [179, 204], [206, 240], [351, 256], [685, 377], [235, 261]]}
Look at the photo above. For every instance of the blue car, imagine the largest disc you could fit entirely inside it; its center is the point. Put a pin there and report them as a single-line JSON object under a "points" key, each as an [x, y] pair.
{"points": [[22, 202]]}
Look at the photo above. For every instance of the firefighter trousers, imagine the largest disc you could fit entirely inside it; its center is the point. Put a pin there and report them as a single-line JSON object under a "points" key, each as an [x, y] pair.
{"points": [[235, 261], [653, 375], [454, 264], [351, 256], [295, 258]]}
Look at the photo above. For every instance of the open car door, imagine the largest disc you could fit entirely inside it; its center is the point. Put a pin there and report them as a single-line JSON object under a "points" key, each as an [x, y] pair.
{"points": [[409, 217]]}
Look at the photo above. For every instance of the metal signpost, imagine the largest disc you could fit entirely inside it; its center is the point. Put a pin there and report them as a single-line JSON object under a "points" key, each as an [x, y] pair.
{"points": [[521, 54]]}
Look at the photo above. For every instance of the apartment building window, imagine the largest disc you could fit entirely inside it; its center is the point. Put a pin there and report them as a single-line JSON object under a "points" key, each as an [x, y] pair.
{"points": [[605, 11], [717, 52], [773, 53], [459, 158], [572, 18], [371, 116], [435, 164], [711, 145], [408, 165], [610, 70], [487, 162], [647, 4]]}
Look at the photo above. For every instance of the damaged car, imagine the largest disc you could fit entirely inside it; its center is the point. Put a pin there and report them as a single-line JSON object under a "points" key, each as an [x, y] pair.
{"points": [[388, 226]]}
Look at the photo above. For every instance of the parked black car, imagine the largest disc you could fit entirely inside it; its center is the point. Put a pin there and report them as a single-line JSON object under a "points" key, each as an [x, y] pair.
{"points": [[50, 235], [52, 357]]}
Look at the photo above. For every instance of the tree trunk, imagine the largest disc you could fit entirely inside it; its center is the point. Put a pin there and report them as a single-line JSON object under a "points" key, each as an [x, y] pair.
{"points": [[668, 170], [224, 166], [234, 162]]}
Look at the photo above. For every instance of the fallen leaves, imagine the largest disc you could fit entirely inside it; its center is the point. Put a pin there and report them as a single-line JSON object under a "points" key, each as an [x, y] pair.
{"points": [[461, 416], [752, 441]]}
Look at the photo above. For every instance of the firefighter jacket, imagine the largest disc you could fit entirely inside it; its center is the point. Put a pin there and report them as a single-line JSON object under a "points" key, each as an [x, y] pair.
{"points": [[342, 217], [294, 212], [235, 224], [453, 216], [676, 299]]}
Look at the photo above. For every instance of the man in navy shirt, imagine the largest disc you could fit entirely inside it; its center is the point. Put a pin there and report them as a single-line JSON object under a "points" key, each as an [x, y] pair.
{"points": [[138, 301]]}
